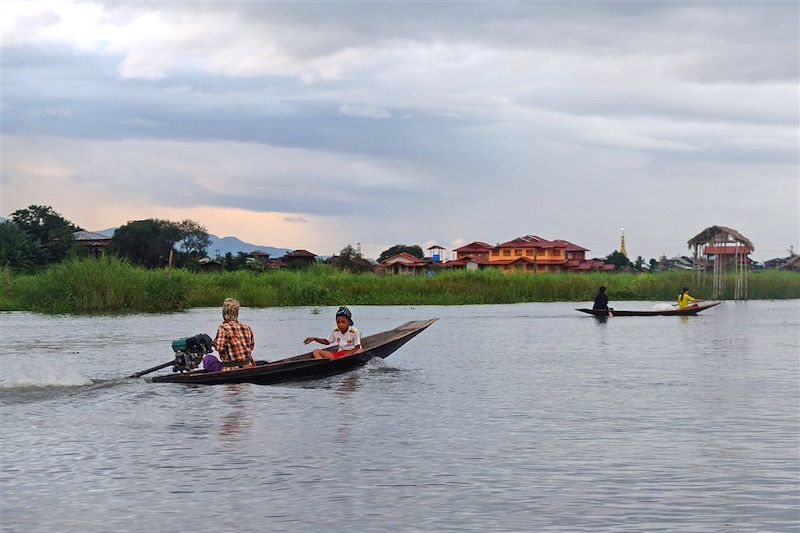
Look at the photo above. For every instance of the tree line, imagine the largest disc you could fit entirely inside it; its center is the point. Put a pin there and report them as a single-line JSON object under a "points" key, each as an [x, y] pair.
{"points": [[38, 236]]}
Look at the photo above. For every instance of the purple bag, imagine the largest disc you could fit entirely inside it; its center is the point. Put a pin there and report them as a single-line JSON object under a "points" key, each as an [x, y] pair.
{"points": [[212, 364]]}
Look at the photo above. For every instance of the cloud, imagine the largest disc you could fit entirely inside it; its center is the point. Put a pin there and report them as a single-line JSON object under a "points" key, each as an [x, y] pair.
{"points": [[404, 122], [703, 43], [367, 111], [256, 176]]}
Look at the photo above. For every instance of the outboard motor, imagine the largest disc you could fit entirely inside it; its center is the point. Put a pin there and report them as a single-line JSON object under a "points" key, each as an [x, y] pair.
{"points": [[189, 352]]}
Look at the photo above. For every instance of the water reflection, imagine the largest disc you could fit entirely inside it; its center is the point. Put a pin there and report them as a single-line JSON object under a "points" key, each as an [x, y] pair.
{"points": [[349, 386], [236, 422], [345, 391]]}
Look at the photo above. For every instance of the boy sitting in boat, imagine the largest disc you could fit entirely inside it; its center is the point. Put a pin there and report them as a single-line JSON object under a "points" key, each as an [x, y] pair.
{"points": [[346, 337], [234, 341]]}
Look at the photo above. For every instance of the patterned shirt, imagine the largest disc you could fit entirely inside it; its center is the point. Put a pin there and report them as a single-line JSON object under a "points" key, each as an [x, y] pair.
{"points": [[234, 342], [347, 340]]}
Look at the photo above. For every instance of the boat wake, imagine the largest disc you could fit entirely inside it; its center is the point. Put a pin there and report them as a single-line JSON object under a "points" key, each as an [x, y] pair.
{"points": [[376, 364], [42, 371]]}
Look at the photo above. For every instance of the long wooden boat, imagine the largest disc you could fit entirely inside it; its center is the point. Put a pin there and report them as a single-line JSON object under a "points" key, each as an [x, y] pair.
{"points": [[692, 310], [304, 367]]}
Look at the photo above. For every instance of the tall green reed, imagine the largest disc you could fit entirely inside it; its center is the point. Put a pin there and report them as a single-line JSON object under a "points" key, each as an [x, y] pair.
{"points": [[110, 284]]}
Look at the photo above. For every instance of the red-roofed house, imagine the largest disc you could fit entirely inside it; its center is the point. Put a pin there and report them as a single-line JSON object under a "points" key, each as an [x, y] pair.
{"points": [[573, 251], [299, 258], [474, 249], [543, 255], [404, 264], [593, 264]]}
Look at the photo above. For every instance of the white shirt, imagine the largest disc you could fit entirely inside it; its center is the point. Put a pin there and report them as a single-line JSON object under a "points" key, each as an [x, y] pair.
{"points": [[347, 340]]}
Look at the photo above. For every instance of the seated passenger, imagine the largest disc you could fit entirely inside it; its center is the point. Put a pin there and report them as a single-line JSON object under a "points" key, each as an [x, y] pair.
{"points": [[346, 337], [234, 341]]}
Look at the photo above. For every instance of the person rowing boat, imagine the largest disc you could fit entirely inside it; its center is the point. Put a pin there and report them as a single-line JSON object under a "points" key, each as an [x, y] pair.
{"points": [[685, 299], [601, 302]]}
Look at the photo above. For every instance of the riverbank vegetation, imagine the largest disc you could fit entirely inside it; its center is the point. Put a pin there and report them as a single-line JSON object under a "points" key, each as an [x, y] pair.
{"points": [[109, 285]]}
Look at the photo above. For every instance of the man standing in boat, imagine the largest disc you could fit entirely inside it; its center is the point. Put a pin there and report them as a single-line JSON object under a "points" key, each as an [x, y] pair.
{"points": [[234, 341], [601, 301]]}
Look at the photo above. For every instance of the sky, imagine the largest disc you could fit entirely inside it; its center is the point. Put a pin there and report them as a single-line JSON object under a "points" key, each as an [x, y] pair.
{"points": [[321, 124]]}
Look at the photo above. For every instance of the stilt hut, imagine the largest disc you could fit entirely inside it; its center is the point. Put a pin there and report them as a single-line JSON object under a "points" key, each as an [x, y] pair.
{"points": [[723, 250]]}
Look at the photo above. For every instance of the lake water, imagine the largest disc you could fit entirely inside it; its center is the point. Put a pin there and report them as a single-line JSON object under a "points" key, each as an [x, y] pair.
{"points": [[528, 417]]}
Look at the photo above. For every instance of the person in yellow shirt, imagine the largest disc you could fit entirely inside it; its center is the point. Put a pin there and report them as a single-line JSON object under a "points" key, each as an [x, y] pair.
{"points": [[684, 299]]}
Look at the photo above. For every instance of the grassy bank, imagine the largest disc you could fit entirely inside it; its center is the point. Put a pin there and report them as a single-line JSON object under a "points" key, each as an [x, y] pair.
{"points": [[113, 285]]}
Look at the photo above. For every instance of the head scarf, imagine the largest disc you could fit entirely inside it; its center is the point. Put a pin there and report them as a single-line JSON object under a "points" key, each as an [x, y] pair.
{"points": [[230, 309], [345, 312]]}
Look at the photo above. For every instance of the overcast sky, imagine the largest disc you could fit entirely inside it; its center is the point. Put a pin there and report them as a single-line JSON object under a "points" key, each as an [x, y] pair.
{"points": [[321, 124]]}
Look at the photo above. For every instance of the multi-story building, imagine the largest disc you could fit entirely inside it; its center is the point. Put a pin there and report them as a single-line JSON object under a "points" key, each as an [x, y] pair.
{"points": [[532, 253], [529, 253]]}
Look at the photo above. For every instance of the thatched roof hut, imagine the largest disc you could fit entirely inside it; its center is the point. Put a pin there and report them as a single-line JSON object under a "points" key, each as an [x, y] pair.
{"points": [[719, 234], [729, 249]]}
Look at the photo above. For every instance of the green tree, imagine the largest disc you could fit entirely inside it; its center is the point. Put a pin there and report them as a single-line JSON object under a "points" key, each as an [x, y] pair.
{"points": [[346, 257], [52, 235], [653, 265], [618, 260], [146, 242], [194, 238], [229, 262], [637, 265], [414, 250], [349, 259], [17, 249]]}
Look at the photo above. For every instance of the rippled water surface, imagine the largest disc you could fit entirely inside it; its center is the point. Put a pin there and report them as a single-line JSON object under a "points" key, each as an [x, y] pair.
{"points": [[525, 417]]}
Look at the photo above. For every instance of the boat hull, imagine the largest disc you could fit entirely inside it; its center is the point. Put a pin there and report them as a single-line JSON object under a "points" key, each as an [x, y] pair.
{"points": [[304, 367], [688, 311]]}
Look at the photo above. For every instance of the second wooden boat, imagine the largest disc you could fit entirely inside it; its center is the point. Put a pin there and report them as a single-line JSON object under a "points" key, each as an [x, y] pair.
{"points": [[691, 310]]}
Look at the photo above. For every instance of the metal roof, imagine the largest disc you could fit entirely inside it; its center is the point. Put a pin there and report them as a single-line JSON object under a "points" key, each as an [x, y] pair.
{"points": [[90, 236]]}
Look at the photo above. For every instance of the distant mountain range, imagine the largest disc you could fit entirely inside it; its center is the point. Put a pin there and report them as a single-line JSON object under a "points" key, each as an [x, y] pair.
{"points": [[223, 245]]}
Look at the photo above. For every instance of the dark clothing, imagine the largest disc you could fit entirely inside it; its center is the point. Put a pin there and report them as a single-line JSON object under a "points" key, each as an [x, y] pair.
{"points": [[601, 301]]}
